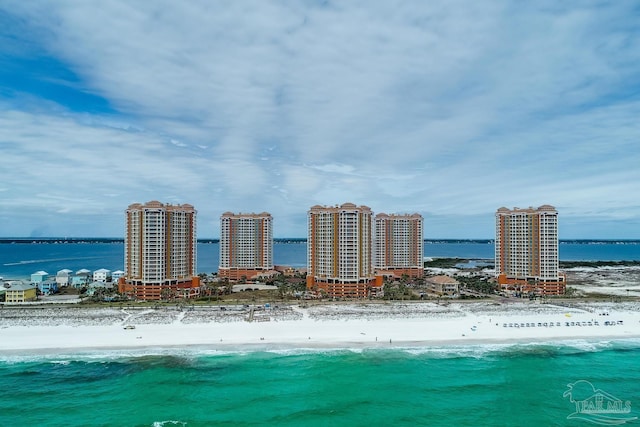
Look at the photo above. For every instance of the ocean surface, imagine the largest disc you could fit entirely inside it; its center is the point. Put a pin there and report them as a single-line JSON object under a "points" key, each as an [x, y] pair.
{"points": [[494, 385], [20, 260]]}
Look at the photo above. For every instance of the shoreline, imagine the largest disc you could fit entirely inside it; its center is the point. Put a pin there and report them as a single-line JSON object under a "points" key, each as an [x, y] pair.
{"points": [[444, 347], [325, 327]]}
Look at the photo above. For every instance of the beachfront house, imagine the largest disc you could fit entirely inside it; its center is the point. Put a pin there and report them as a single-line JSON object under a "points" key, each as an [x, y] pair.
{"points": [[63, 277], [81, 278], [48, 287], [116, 275], [443, 285], [19, 292], [39, 276], [101, 275]]}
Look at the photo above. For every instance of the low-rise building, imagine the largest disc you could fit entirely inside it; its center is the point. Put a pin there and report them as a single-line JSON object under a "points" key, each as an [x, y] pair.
{"points": [[63, 277], [19, 292], [101, 275], [81, 278], [116, 275], [443, 285], [48, 287], [39, 276]]}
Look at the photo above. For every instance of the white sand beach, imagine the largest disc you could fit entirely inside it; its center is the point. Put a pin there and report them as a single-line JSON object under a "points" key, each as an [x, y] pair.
{"points": [[24, 330]]}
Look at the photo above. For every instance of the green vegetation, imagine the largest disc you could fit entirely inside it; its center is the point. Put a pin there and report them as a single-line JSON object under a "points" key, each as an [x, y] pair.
{"points": [[478, 284], [452, 262], [398, 291], [570, 264]]}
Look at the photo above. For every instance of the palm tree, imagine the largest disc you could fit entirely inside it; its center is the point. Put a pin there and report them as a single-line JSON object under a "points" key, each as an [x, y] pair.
{"points": [[228, 287], [166, 293]]}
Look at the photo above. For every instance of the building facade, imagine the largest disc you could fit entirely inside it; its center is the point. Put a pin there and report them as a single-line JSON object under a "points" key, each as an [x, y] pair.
{"points": [[63, 277], [339, 251], [39, 276], [398, 245], [160, 252], [526, 246], [101, 275], [246, 245], [80, 278], [47, 287], [17, 292], [444, 285]]}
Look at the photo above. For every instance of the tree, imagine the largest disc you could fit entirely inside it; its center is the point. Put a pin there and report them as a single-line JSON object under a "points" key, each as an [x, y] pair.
{"points": [[228, 287], [166, 294]]}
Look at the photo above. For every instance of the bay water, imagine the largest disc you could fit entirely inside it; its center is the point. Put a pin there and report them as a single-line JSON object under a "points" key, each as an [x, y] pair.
{"points": [[20, 260]]}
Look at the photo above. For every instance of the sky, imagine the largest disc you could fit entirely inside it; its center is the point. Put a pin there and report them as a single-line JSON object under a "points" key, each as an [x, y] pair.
{"points": [[451, 109]]}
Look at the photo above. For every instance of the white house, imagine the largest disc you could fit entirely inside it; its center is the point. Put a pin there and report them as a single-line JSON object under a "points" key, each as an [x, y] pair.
{"points": [[116, 275], [63, 277], [93, 287], [101, 275]]}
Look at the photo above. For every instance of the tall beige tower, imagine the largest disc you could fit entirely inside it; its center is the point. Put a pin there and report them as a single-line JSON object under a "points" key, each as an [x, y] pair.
{"points": [[339, 251], [398, 245], [526, 250], [160, 251], [246, 245]]}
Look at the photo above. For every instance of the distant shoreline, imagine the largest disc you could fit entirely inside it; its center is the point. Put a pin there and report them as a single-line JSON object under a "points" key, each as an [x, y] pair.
{"points": [[85, 240]]}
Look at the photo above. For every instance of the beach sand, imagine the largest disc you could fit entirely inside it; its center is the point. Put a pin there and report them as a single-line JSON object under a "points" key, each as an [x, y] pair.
{"points": [[605, 280], [28, 330]]}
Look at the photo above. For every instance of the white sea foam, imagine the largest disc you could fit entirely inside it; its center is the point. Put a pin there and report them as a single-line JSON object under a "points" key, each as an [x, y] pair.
{"points": [[480, 350], [169, 423], [38, 261]]}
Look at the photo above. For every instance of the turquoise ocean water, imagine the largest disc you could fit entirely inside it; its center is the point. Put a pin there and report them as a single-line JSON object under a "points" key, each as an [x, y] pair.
{"points": [[484, 385], [498, 385]]}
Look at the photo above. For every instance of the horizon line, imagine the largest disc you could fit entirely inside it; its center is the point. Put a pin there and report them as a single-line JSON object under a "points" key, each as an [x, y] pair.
{"points": [[297, 239]]}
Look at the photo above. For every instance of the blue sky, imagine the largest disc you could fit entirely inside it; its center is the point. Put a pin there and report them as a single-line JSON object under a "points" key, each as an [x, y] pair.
{"points": [[451, 109]]}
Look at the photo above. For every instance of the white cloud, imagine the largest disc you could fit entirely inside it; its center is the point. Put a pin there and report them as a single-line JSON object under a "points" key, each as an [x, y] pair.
{"points": [[445, 108]]}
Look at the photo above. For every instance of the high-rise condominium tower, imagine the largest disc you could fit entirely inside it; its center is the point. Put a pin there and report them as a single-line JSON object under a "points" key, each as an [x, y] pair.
{"points": [[527, 250], [339, 251], [246, 245], [398, 245], [160, 251]]}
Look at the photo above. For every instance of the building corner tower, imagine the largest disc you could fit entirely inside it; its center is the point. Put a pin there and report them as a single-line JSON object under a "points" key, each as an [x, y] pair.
{"points": [[339, 251], [526, 250], [160, 252], [399, 245], [246, 245]]}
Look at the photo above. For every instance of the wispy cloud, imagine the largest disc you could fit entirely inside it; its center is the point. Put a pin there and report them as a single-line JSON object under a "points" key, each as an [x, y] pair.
{"points": [[450, 109]]}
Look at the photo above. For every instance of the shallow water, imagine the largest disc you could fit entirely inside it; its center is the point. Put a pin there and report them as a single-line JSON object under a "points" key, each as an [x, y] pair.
{"points": [[493, 385]]}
